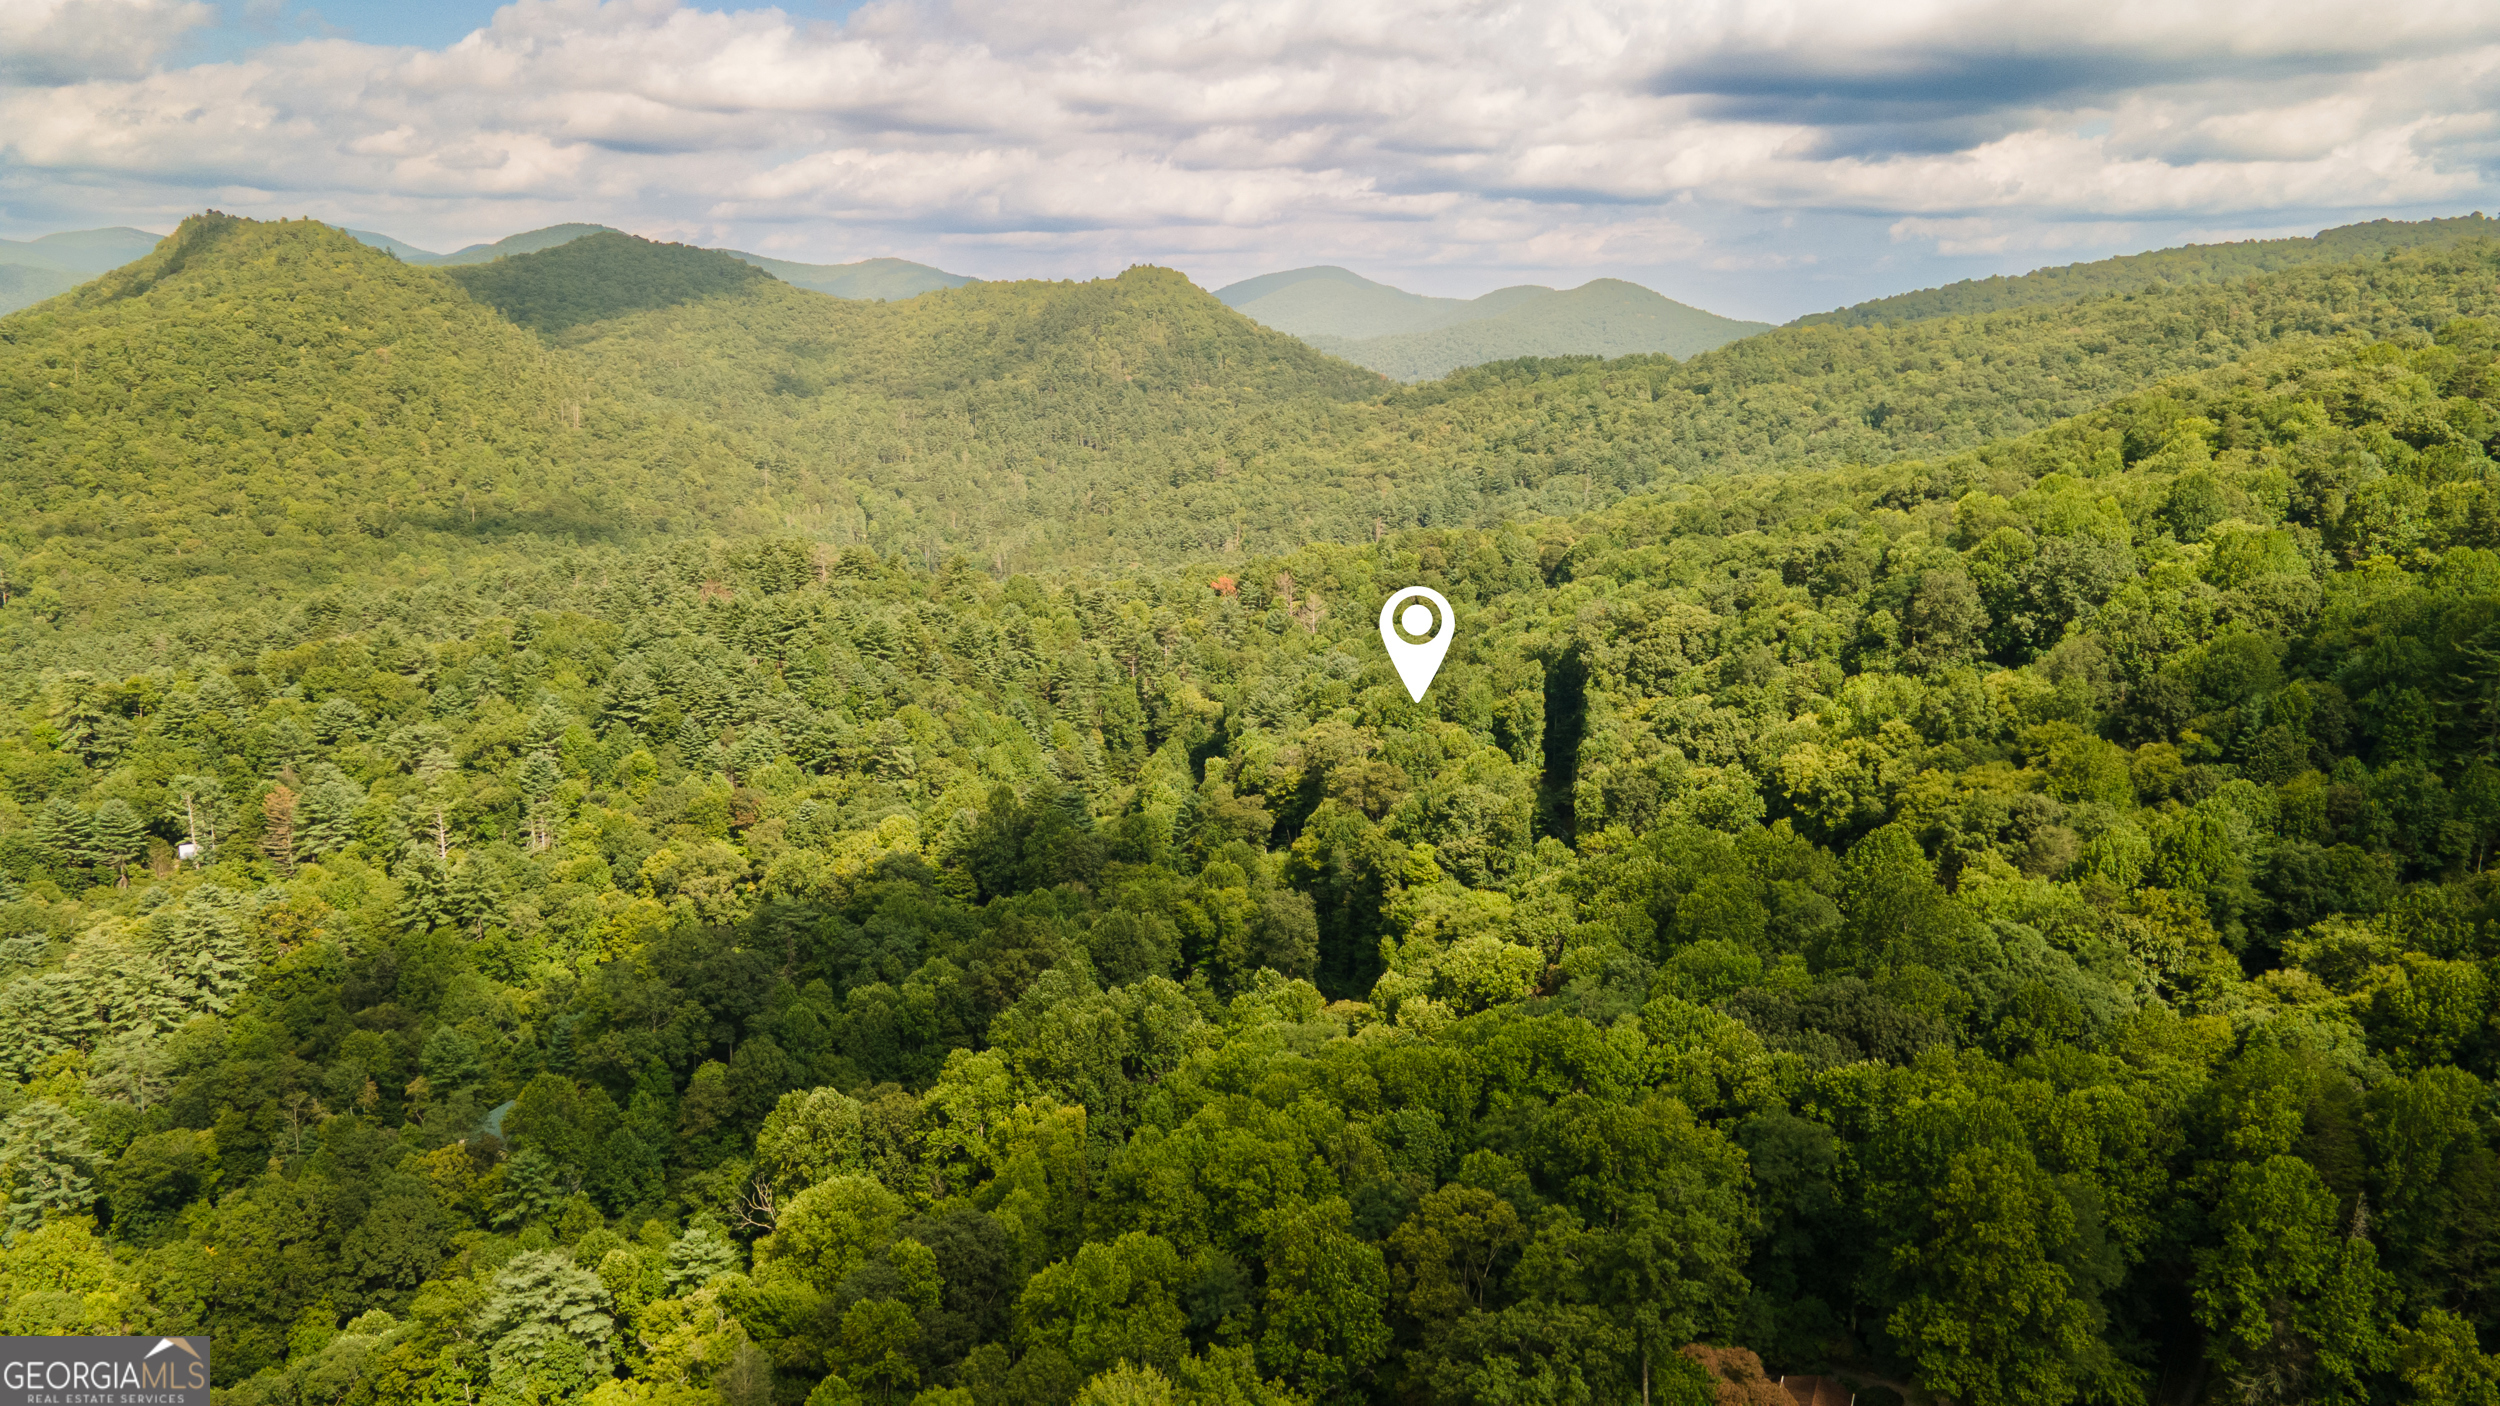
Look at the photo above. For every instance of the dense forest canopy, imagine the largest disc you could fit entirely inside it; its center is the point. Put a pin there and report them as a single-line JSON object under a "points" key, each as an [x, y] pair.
{"points": [[1989, 900], [267, 405], [2128, 273]]}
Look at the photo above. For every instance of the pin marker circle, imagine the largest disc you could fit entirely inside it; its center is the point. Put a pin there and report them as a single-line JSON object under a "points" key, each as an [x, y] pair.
{"points": [[1404, 633]]}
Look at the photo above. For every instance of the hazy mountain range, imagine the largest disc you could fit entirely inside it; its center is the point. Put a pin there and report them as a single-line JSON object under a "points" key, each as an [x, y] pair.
{"points": [[1415, 338], [881, 279], [1403, 335], [1406, 336], [35, 269]]}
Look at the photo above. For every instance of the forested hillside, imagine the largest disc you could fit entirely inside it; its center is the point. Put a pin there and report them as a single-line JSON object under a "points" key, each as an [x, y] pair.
{"points": [[2130, 273], [274, 405], [2010, 925], [263, 407], [1134, 421]]}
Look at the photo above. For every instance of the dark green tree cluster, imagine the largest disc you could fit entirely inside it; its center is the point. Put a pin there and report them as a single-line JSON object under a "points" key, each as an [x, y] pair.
{"points": [[599, 276], [2011, 926]]}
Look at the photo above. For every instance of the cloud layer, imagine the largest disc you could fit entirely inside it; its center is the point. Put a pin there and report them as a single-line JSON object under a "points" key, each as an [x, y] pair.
{"points": [[1727, 145]]}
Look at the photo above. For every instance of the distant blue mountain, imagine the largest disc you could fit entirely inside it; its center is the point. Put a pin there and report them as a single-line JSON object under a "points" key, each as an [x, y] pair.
{"points": [[1414, 338]]}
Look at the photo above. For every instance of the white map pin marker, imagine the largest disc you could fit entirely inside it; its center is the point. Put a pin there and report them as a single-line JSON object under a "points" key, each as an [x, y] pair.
{"points": [[1417, 663]]}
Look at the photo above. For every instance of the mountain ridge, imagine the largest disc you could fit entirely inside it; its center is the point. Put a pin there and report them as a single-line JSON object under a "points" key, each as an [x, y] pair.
{"points": [[1604, 317], [876, 280], [294, 394], [879, 278], [35, 269], [2179, 265], [80, 250], [1411, 337]]}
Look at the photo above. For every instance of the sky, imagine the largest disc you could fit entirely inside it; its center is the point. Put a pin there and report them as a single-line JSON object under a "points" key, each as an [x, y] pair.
{"points": [[1762, 160]]}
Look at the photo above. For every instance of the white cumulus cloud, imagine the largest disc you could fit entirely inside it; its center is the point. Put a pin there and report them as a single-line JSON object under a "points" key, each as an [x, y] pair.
{"points": [[1484, 140], [59, 41]]}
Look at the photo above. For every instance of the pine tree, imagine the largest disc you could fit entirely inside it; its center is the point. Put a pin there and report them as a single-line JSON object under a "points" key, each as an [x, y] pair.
{"points": [[535, 1188], [338, 720], [141, 994], [539, 777], [68, 833], [759, 747], [205, 951], [695, 741], [47, 1160], [42, 1016], [472, 895], [88, 727], [424, 889], [119, 839], [699, 1254], [325, 814], [289, 745], [134, 1067], [451, 1061], [895, 757], [541, 1305], [632, 698], [547, 724]]}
